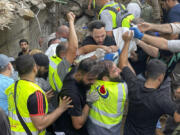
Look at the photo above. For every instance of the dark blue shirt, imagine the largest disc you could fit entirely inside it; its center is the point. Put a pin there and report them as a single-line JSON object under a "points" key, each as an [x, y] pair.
{"points": [[146, 105], [174, 14]]}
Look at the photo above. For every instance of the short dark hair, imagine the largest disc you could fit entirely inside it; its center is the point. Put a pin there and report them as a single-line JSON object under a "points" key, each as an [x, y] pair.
{"points": [[41, 60], [61, 47], [25, 64], [105, 68], [96, 25], [23, 40], [89, 66], [155, 68]]}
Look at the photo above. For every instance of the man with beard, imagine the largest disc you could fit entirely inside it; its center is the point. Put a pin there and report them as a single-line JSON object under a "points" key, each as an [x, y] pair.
{"points": [[27, 103], [106, 114], [98, 35], [42, 63], [75, 85], [24, 45]]}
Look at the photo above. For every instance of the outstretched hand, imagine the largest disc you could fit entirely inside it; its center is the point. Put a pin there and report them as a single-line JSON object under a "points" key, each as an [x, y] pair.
{"points": [[143, 27], [65, 103], [137, 33], [127, 36]]}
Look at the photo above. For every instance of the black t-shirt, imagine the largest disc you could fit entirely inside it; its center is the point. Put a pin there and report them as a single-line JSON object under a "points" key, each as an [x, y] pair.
{"points": [[140, 65], [78, 95], [21, 53], [36, 104], [145, 105], [90, 41]]}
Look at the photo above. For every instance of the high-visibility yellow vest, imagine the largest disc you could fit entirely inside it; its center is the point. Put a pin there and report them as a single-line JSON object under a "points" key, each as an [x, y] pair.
{"points": [[108, 110], [24, 90], [54, 79], [54, 61], [125, 22], [94, 3]]}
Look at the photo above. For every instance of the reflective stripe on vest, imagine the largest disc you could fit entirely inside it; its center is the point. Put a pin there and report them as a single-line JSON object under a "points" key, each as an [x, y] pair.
{"points": [[24, 90], [56, 84], [108, 110], [127, 21], [23, 133], [54, 61], [54, 79], [15, 117], [111, 12]]}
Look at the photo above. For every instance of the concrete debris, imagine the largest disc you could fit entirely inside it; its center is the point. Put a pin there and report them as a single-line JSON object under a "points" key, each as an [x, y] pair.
{"points": [[27, 14], [10, 9], [81, 27], [7, 10]]}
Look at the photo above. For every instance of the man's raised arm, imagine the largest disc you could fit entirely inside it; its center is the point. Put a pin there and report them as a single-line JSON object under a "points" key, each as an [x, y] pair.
{"points": [[73, 40]]}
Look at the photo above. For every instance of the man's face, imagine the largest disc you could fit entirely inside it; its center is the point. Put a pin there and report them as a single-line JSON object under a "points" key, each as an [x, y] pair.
{"points": [[99, 35], [87, 80], [169, 4], [114, 74], [24, 46]]}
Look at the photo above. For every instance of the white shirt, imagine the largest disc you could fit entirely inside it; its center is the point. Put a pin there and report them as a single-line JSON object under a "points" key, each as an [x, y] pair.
{"points": [[51, 51]]}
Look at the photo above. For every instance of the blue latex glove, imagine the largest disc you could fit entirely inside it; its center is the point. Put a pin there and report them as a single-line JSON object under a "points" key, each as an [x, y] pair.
{"points": [[137, 33], [109, 56]]}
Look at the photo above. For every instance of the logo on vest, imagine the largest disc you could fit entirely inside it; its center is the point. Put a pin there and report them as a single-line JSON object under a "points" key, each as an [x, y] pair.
{"points": [[103, 92]]}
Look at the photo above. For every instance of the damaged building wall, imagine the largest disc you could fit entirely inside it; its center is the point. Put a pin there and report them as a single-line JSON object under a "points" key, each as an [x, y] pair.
{"points": [[50, 17], [9, 38]]}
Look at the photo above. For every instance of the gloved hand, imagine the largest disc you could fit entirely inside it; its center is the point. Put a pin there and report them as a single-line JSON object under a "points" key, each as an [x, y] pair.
{"points": [[109, 56], [137, 33], [91, 97]]}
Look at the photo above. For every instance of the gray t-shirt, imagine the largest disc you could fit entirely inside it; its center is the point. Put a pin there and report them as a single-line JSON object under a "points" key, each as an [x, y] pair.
{"points": [[107, 18], [175, 28], [174, 45], [63, 68]]}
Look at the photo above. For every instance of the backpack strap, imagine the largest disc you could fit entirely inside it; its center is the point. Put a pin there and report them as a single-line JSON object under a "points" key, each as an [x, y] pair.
{"points": [[112, 9], [121, 7], [18, 114], [115, 10]]}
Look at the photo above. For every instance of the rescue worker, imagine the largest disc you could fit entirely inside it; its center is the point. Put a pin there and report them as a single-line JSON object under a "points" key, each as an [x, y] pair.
{"points": [[108, 15], [27, 103], [106, 114], [65, 55]]}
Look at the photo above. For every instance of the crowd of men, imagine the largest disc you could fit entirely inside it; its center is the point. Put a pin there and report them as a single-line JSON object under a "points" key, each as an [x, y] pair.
{"points": [[98, 87]]}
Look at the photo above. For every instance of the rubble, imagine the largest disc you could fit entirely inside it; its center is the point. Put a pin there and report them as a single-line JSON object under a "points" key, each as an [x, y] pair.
{"points": [[10, 10], [7, 10]]}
